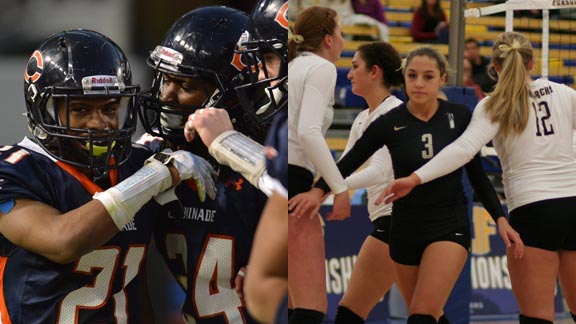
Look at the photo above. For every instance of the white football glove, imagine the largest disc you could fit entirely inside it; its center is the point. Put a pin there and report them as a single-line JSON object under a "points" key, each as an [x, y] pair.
{"points": [[189, 166]]}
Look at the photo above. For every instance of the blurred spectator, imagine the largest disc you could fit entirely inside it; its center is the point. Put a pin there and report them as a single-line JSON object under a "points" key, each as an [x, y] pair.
{"points": [[429, 24], [468, 81], [375, 10], [345, 12], [371, 8], [479, 65]]}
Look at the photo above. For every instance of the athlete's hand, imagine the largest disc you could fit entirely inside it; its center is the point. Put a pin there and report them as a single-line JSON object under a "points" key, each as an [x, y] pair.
{"points": [[398, 189], [208, 123], [510, 237], [306, 203], [193, 167], [341, 209]]}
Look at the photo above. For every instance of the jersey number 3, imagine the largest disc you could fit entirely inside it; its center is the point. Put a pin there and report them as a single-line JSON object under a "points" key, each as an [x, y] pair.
{"points": [[428, 151]]}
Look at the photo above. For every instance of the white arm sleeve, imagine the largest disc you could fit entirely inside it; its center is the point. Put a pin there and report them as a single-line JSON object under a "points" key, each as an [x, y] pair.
{"points": [[316, 96], [376, 170], [374, 173], [479, 132]]}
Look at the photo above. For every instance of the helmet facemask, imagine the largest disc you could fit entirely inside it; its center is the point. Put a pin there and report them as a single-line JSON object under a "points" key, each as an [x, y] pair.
{"points": [[71, 76], [99, 150], [166, 118], [265, 93]]}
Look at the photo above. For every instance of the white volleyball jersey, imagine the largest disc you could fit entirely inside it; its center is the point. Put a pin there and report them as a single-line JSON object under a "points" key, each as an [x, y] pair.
{"points": [[377, 172], [310, 113], [537, 164]]}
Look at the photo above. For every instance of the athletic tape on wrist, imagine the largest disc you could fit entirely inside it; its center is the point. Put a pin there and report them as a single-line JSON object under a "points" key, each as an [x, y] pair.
{"points": [[240, 153], [126, 198]]}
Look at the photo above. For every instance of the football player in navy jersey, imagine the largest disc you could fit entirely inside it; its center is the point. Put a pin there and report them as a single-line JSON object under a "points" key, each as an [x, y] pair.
{"points": [[264, 98], [70, 250], [205, 244]]}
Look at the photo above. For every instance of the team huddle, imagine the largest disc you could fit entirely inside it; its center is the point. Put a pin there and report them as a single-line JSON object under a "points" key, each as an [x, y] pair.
{"points": [[80, 202], [421, 233]]}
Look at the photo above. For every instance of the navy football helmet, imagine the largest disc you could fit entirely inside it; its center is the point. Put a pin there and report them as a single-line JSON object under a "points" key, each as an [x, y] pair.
{"points": [[200, 45], [82, 64], [265, 93]]}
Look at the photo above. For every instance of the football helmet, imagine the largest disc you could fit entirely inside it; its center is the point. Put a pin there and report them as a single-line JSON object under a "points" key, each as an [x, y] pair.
{"points": [[200, 45], [264, 94], [80, 64]]}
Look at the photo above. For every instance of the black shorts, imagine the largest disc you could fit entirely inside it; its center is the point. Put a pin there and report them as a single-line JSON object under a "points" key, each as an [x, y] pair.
{"points": [[409, 251], [300, 180], [382, 228], [547, 224]]}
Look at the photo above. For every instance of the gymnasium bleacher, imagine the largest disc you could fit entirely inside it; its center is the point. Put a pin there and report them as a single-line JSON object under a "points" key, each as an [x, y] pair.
{"points": [[561, 63]]}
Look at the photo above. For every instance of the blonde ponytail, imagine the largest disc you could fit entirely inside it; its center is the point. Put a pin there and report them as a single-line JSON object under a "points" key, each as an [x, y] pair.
{"points": [[509, 103]]}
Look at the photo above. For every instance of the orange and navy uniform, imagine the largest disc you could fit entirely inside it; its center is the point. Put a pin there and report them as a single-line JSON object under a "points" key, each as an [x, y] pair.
{"points": [[103, 286]]}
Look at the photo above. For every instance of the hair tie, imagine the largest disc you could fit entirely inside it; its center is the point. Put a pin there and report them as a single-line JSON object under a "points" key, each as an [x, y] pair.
{"points": [[505, 48], [298, 39], [402, 65]]}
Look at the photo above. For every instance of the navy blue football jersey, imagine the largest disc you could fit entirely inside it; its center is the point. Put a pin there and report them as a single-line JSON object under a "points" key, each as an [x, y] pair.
{"points": [[103, 286], [205, 244], [277, 167]]}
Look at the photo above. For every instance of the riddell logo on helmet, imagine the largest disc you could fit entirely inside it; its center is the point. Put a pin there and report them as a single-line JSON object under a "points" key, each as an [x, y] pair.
{"points": [[99, 81], [103, 80], [167, 53]]}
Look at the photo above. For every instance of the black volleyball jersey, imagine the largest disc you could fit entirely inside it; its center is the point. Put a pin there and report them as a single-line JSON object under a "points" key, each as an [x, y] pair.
{"points": [[413, 142]]}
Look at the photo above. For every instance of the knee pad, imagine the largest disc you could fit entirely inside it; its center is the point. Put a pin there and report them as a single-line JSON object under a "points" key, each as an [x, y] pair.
{"points": [[306, 316], [533, 320], [345, 316], [421, 319], [443, 320]]}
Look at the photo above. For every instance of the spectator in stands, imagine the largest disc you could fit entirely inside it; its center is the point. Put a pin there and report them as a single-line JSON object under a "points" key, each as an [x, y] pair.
{"points": [[375, 10], [430, 230], [313, 48], [480, 73], [348, 15], [375, 68], [532, 123], [429, 23], [468, 80]]}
